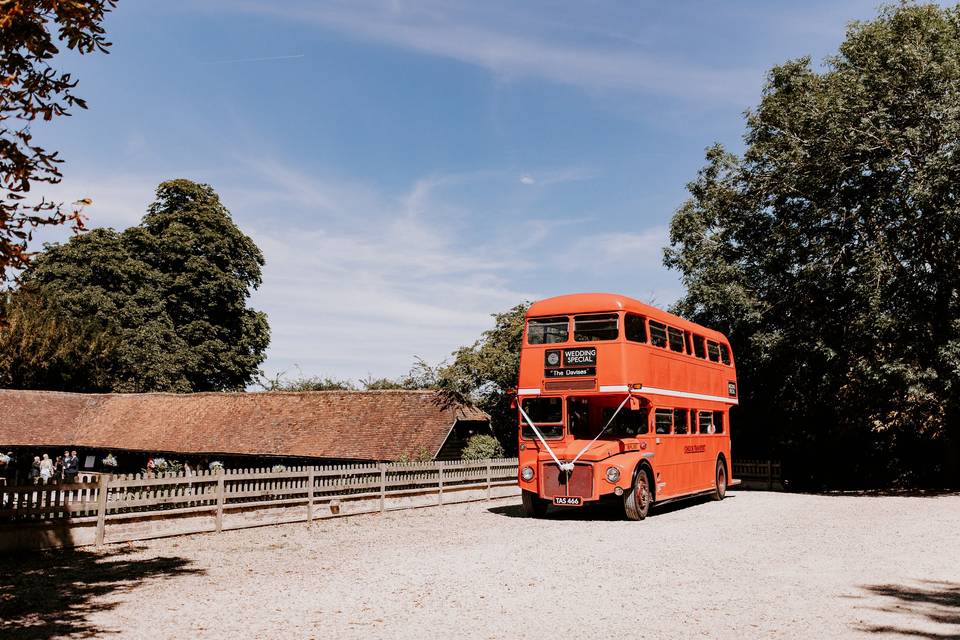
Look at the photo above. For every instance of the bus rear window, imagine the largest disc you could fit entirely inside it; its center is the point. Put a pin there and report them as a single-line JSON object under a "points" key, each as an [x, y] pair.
{"points": [[713, 351], [546, 413], [547, 330], [676, 339], [635, 327], [658, 334], [597, 327]]}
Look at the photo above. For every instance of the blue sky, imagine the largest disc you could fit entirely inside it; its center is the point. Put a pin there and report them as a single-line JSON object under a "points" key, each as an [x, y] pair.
{"points": [[409, 168]]}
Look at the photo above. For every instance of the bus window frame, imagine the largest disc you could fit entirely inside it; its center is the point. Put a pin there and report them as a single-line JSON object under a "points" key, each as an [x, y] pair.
{"points": [[605, 316], [725, 354], [643, 327], [673, 332], [686, 421], [701, 413], [716, 346], [526, 330], [650, 329], [563, 420], [699, 341], [662, 411]]}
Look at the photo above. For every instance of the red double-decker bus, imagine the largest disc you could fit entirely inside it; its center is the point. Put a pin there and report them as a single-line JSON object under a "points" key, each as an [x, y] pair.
{"points": [[619, 399]]}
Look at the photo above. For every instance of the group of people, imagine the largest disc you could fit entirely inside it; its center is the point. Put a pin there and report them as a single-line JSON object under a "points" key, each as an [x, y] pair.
{"points": [[63, 469]]}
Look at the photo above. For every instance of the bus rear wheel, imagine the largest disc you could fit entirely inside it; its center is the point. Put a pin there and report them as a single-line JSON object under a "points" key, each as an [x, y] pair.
{"points": [[636, 501], [721, 489], [533, 505]]}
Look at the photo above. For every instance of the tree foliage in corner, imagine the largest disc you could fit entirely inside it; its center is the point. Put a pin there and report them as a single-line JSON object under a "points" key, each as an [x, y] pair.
{"points": [[172, 291], [828, 252], [482, 373], [31, 89]]}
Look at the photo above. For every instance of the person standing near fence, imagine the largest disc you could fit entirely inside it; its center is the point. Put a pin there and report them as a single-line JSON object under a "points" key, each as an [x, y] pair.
{"points": [[71, 468], [46, 469], [34, 474], [58, 469]]}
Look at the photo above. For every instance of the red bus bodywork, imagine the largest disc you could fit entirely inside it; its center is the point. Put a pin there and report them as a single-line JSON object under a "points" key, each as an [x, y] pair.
{"points": [[583, 380]]}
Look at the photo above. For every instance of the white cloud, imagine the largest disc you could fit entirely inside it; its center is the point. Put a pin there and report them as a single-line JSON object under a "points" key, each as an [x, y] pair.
{"points": [[527, 179], [497, 40]]}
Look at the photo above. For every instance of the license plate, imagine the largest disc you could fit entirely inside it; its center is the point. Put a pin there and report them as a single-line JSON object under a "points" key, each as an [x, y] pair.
{"points": [[568, 501]]}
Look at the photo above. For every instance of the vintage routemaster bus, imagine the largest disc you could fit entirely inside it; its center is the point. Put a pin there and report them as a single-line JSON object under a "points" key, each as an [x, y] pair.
{"points": [[620, 400]]}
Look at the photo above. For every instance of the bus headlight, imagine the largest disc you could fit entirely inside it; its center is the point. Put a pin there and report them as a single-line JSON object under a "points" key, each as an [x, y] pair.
{"points": [[527, 473], [613, 474]]}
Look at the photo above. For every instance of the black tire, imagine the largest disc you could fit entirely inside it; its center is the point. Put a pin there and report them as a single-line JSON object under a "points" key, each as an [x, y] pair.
{"points": [[533, 505], [720, 490], [637, 501]]}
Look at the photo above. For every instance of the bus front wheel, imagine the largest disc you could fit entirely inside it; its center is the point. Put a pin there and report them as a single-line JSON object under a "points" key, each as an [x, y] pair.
{"points": [[636, 501], [533, 505], [721, 489]]}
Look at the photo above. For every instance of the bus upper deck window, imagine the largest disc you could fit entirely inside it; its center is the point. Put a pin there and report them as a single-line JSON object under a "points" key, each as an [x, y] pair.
{"points": [[546, 413], [635, 327], [713, 351], [602, 326], [698, 348], [724, 354], [676, 339], [547, 330], [658, 334]]}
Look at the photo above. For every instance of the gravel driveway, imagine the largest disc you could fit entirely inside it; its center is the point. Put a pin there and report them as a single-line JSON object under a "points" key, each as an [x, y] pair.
{"points": [[757, 565]]}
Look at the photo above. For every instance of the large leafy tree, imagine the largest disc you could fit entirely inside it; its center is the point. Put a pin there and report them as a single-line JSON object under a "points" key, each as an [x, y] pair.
{"points": [[31, 89], [828, 251], [172, 290], [484, 373]]}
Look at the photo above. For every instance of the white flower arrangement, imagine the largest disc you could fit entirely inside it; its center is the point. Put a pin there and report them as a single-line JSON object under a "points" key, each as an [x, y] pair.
{"points": [[109, 461], [160, 464], [278, 468], [216, 465], [4, 459]]}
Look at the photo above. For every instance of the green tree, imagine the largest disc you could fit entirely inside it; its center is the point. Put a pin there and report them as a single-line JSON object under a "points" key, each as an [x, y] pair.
{"points": [[41, 347], [483, 373], [482, 446], [173, 291], [828, 253], [30, 88]]}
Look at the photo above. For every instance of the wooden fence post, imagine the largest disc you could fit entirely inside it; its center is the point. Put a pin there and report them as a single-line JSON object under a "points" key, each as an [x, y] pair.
{"points": [[383, 485], [102, 508], [440, 475], [310, 496], [220, 488], [489, 482]]}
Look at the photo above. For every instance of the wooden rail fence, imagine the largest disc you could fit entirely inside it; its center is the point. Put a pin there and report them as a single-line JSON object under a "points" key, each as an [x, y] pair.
{"points": [[301, 493], [758, 473]]}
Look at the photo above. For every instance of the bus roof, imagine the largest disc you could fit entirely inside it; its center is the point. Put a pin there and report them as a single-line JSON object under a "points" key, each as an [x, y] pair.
{"points": [[599, 302]]}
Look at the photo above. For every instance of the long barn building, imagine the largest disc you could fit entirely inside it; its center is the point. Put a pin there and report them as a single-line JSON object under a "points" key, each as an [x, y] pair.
{"points": [[241, 429]]}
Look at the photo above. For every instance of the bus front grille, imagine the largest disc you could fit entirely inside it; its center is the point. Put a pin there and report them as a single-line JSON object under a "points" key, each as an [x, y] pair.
{"points": [[578, 482]]}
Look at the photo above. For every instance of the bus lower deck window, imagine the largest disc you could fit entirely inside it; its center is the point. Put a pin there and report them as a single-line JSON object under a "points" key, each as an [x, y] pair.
{"points": [[718, 421], [679, 420], [546, 413], [635, 327], [663, 419], [547, 330], [658, 334], [706, 422], [602, 326]]}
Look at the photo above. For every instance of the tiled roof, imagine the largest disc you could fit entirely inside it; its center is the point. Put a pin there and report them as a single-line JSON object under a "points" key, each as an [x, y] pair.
{"points": [[363, 425]]}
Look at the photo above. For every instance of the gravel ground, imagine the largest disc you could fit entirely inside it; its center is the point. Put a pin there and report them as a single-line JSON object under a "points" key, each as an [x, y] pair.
{"points": [[757, 565]]}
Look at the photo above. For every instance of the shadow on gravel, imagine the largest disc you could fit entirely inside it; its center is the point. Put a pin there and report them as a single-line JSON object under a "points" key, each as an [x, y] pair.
{"points": [[606, 511], [936, 602], [49, 594]]}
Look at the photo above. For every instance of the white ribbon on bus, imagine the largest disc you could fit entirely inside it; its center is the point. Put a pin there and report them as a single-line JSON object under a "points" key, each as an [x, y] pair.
{"points": [[568, 466]]}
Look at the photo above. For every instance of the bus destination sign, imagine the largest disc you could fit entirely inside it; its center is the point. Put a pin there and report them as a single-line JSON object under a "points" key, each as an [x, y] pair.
{"points": [[570, 372]]}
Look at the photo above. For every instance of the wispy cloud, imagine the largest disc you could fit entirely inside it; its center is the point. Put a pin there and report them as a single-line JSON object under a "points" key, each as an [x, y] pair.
{"points": [[263, 59], [496, 41]]}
